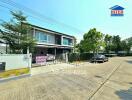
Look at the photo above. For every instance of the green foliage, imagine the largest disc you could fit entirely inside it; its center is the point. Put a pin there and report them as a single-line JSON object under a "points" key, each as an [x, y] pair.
{"points": [[92, 41], [108, 42], [129, 44], [125, 46], [86, 56], [129, 41], [73, 57], [116, 43], [17, 34], [18, 15], [79, 56]]}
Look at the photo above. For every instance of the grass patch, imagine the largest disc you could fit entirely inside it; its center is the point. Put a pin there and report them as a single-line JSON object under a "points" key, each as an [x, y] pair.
{"points": [[14, 72]]}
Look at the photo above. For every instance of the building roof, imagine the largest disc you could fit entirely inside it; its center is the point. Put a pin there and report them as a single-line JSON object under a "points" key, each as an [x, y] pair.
{"points": [[116, 7], [55, 32]]}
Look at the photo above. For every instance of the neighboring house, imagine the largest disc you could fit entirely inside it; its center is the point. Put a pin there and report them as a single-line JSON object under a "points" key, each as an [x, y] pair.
{"points": [[3, 47], [51, 42], [117, 11]]}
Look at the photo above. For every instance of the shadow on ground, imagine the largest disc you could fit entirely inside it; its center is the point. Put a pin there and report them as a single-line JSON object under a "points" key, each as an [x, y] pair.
{"points": [[129, 61], [125, 94], [97, 76]]}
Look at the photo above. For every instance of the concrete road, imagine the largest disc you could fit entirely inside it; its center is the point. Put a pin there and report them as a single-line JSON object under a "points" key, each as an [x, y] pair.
{"points": [[105, 81]]}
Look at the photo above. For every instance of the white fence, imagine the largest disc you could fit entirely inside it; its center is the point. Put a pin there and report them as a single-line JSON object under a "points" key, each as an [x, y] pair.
{"points": [[16, 61]]}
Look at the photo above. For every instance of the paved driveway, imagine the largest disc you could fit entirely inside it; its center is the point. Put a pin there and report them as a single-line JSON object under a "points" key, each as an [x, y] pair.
{"points": [[106, 81]]}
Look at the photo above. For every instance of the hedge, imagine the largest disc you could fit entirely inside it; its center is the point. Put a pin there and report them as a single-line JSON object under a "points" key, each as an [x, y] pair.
{"points": [[87, 56], [79, 56]]}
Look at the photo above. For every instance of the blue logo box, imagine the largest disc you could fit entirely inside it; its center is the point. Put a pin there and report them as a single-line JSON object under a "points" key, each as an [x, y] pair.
{"points": [[117, 11]]}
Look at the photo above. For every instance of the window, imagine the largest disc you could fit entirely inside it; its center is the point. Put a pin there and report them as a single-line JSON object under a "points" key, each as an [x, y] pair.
{"points": [[37, 36], [43, 37], [51, 39], [40, 36], [67, 41]]}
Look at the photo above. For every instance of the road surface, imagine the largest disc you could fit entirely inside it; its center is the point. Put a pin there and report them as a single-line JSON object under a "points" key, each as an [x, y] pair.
{"points": [[105, 81]]}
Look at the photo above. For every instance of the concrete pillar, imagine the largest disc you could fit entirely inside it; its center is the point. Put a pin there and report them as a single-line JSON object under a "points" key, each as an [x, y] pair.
{"points": [[66, 57], [27, 50], [55, 52], [61, 40], [33, 32]]}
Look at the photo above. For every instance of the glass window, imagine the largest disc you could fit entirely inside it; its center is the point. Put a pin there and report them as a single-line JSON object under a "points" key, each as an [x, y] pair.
{"points": [[67, 41], [43, 37], [70, 42], [40, 36], [37, 36], [51, 39]]}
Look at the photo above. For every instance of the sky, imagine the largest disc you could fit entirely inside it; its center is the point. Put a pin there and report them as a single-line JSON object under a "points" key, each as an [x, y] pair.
{"points": [[80, 14]]}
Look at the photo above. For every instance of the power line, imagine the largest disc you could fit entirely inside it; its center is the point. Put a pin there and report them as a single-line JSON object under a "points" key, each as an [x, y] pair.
{"points": [[5, 7], [1, 20], [42, 17], [36, 17]]}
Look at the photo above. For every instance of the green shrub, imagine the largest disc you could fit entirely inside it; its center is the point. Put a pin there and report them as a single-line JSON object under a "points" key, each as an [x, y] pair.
{"points": [[87, 56], [73, 57], [79, 56]]}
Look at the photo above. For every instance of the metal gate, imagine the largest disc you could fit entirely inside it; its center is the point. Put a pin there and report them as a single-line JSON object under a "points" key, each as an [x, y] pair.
{"points": [[41, 60]]}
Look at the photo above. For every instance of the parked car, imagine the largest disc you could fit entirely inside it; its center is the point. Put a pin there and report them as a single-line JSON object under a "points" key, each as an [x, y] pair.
{"points": [[99, 58]]}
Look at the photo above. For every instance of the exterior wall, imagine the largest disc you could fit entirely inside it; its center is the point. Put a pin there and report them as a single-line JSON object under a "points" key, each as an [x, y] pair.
{"points": [[16, 61], [51, 38]]}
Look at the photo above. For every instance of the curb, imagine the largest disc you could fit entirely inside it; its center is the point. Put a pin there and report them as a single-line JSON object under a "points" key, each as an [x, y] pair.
{"points": [[14, 78]]}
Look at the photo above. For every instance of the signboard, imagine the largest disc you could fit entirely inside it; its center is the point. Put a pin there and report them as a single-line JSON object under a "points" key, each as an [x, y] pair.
{"points": [[41, 60], [117, 10]]}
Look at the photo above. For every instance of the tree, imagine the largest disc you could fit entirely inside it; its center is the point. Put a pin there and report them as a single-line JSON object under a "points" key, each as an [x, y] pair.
{"points": [[92, 41], [16, 34], [128, 45], [116, 43], [108, 42], [125, 46]]}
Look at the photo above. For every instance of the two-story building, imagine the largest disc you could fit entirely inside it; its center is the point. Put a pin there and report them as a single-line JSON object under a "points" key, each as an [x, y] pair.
{"points": [[51, 42], [48, 42]]}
